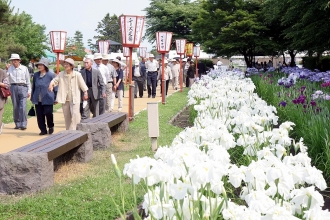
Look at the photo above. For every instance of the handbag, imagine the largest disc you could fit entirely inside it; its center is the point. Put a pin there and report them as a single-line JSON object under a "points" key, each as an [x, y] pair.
{"points": [[32, 112], [5, 92]]}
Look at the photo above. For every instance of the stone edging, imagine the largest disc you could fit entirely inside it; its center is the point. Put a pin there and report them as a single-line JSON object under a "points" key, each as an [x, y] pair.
{"points": [[178, 114]]}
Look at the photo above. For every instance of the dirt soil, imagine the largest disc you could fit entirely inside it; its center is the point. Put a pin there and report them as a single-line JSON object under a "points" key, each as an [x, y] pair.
{"points": [[182, 120]]}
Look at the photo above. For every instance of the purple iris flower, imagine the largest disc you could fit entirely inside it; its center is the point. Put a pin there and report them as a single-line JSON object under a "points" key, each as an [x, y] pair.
{"points": [[283, 103], [313, 103]]}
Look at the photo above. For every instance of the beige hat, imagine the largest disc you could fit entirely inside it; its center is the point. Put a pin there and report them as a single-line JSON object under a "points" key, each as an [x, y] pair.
{"points": [[117, 61], [105, 57], [14, 56], [137, 63], [165, 61], [97, 56], [151, 55], [68, 60]]}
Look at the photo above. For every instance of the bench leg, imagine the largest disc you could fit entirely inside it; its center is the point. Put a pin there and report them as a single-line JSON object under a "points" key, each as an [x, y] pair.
{"points": [[23, 172], [100, 132]]}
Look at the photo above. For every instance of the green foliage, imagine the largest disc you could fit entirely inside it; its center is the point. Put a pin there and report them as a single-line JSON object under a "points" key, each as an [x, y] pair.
{"points": [[108, 29], [208, 63], [19, 34], [312, 63], [75, 45], [55, 68], [171, 15], [231, 27]]}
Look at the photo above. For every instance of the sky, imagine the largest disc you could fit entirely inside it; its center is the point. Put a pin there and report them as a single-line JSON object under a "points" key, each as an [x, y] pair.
{"points": [[82, 15]]}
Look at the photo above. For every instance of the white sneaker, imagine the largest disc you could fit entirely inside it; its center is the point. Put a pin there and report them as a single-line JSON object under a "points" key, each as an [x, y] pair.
{"points": [[1, 127]]}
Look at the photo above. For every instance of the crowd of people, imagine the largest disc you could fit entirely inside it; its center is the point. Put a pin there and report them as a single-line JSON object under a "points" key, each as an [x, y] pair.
{"points": [[90, 91]]}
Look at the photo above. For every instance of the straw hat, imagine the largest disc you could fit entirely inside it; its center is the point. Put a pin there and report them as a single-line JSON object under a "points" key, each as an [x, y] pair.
{"points": [[137, 63], [97, 56], [151, 55], [14, 56], [68, 60], [105, 57], [165, 61], [117, 61]]}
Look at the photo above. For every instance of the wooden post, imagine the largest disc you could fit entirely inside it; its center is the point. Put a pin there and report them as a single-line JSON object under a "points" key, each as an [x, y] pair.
{"points": [[131, 99], [163, 79], [131, 91], [181, 74], [58, 64]]}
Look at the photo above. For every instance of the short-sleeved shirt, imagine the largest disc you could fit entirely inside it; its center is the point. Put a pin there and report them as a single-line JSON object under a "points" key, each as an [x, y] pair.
{"points": [[152, 66]]}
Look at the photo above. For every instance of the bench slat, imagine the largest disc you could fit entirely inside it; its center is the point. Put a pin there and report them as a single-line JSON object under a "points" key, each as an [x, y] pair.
{"points": [[44, 141], [56, 144]]}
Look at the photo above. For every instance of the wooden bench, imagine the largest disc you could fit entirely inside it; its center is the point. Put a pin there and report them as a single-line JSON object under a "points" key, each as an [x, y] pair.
{"points": [[31, 167], [101, 127], [57, 144], [114, 120]]}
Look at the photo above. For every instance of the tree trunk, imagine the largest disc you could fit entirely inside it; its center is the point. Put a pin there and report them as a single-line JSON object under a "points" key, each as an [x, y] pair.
{"points": [[292, 55]]}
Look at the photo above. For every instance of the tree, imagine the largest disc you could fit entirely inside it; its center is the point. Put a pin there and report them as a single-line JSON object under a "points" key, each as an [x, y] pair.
{"points": [[78, 44], [91, 45], [171, 15], [8, 19], [109, 29], [32, 36], [232, 27]]}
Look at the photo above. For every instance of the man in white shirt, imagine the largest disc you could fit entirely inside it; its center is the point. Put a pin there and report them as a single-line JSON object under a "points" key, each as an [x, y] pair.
{"points": [[20, 88], [175, 73], [111, 80], [152, 72], [104, 72]]}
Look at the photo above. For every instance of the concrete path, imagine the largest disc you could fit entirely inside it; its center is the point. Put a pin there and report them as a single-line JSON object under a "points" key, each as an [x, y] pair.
{"points": [[11, 139]]}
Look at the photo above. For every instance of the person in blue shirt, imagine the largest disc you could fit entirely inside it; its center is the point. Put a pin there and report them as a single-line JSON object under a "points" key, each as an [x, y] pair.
{"points": [[42, 98]]}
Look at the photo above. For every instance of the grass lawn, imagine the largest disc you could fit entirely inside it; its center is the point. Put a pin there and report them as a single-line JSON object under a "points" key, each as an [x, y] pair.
{"points": [[8, 112], [87, 191]]}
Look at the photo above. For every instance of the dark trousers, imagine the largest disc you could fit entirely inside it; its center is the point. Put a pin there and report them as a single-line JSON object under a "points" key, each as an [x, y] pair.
{"points": [[138, 83], [187, 81], [152, 83], [166, 86], [92, 106], [44, 114]]}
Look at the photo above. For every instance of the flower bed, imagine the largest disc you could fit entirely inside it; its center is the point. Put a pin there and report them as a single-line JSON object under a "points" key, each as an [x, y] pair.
{"points": [[302, 100], [203, 174]]}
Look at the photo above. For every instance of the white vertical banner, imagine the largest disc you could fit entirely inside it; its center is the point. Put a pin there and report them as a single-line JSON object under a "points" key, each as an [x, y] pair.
{"points": [[130, 25], [125, 51], [104, 47], [142, 51], [139, 28]]}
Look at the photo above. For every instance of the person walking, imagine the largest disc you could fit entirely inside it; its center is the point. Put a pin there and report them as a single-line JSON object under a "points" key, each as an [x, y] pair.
{"points": [[118, 87], [138, 78], [104, 72], [69, 83], [175, 73], [167, 77], [20, 88], [111, 80], [191, 73], [4, 83], [152, 67], [96, 89], [144, 72], [42, 98]]}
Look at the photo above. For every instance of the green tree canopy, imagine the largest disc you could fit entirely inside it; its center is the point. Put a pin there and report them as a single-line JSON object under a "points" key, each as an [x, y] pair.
{"points": [[171, 15], [19, 34], [232, 27]]}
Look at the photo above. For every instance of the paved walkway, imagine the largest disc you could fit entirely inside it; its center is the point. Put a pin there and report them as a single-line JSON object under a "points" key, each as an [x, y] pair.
{"points": [[11, 139]]}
